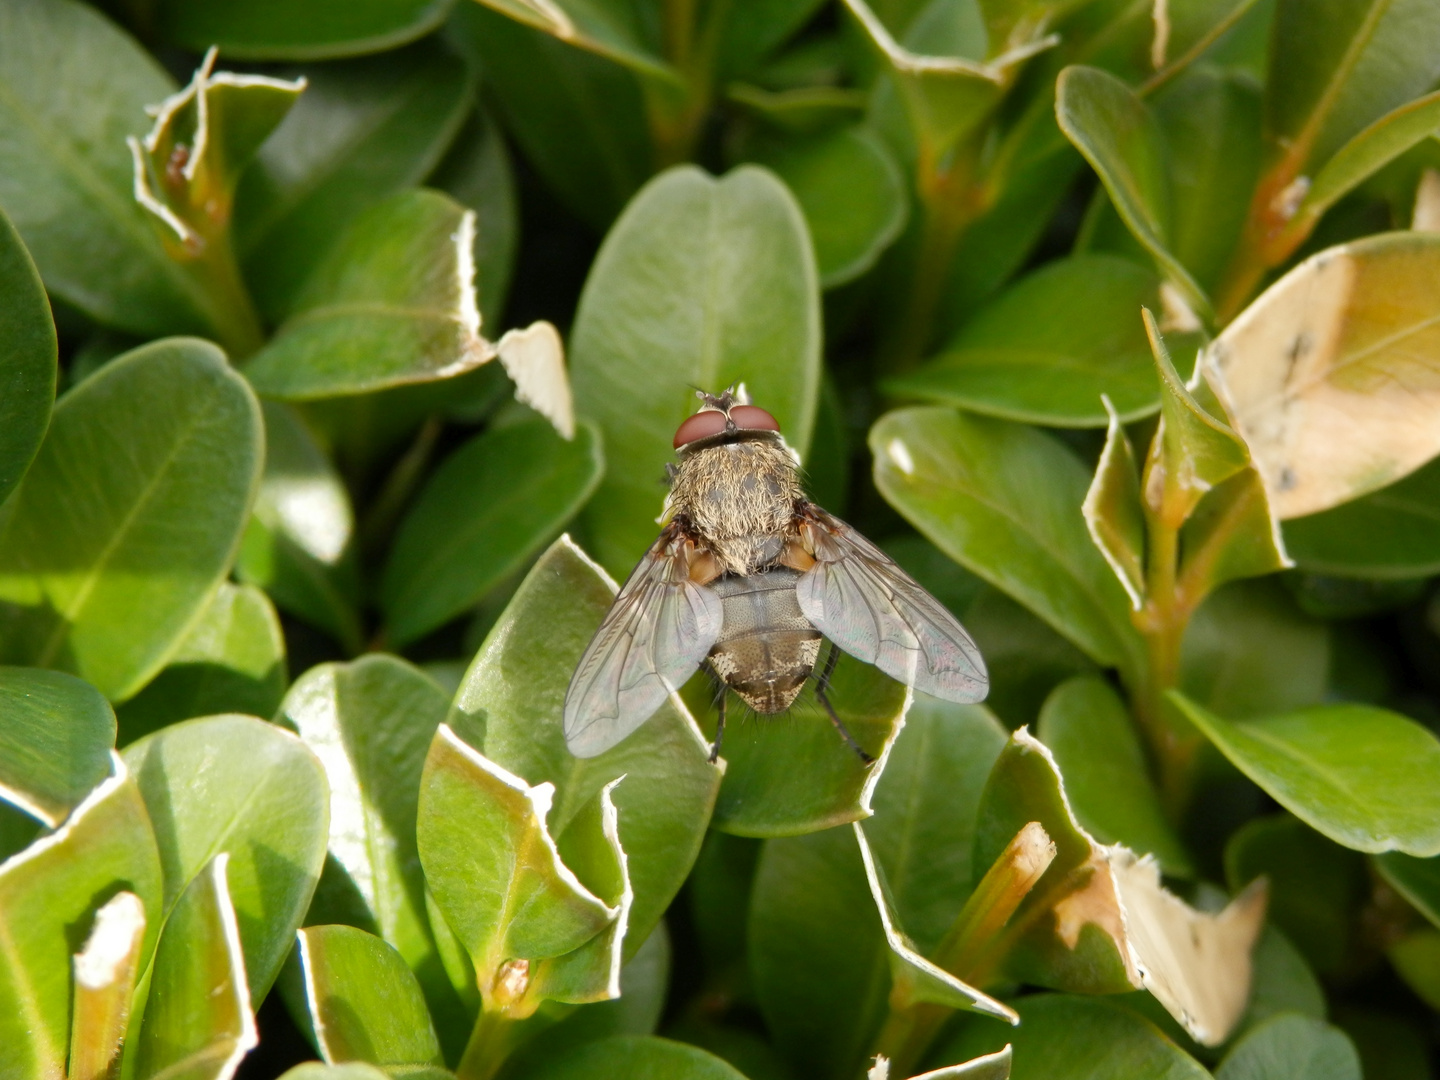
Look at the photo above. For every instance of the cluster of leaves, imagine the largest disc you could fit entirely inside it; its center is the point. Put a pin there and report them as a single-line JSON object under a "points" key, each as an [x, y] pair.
{"points": [[1125, 312]]}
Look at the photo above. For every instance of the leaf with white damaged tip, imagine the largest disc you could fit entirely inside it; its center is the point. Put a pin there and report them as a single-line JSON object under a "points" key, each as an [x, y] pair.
{"points": [[493, 865], [56, 733], [611, 30], [534, 358], [994, 1066], [198, 1021], [1113, 512], [392, 302], [105, 973], [1331, 375], [914, 978]]}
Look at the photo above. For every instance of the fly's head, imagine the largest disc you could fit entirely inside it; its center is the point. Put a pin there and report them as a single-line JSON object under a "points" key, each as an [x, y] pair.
{"points": [[725, 418]]}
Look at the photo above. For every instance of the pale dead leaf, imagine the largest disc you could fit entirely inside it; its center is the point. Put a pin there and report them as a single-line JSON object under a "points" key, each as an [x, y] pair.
{"points": [[535, 361], [1426, 215]]}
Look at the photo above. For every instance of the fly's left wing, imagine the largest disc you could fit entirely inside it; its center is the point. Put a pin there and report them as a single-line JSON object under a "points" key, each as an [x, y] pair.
{"points": [[656, 633], [858, 598]]}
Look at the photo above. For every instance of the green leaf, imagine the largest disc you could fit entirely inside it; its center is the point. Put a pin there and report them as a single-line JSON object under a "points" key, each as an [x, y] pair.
{"points": [[107, 559], [1292, 1048], [1004, 501], [1075, 1038], [351, 1070], [701, 283], [852, 194], [55, 738], [27, 359], [315, 31], [364, 1003], [1365, 777], [1344, 66], [749, 34], [510, 703], [1416, 959], [298, 543], [237, 784], [1317, 887], [1114, 514], [1390, 534], [49, 894], [1093, 737], [392, 302], [593, 159], [232, 660], [491, 861], [482, 515], [631, 1057], [1119, 136], [198, 1018], [65, 173], [1330, 375], [362, 130], [1047, 348], [1418, 880], [614, 30], [1283, 981]]}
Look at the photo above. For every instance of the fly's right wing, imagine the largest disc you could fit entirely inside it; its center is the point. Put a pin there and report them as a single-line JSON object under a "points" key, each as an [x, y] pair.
{"points": [[656, 633]]}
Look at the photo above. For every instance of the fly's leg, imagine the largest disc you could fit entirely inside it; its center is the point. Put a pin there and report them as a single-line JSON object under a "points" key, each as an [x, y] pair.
{"points": [[719, 727], [822, 695]]}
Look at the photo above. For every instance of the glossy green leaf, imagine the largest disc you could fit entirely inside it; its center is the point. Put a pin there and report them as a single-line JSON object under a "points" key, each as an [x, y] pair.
{"points": [[852, 194], [1344, 66], [27, 359], [491, 860], [237, 784], [481, 517], [65, 172], [637, 1057], [1416, 959], [1114, 513], [1075, 1038], [49, 894], [1316, 886], [298, 543], [364, 1003], [1329, 375], [107, 559], [616, 31], [818, 951], [279, 31], [361, 131], [1119, 136], [1231, 535], [1365, 777], [1193, 26], [1292, 1048], [198, 1020], [478, 175], [701, 283], [593, 159], [1389, 534], [509, 706], [1418, 880], [1004, 501], [1049, 346], [370, 723], [1095, 743], [392, 302], [56, 733], [231, 660], [105, 970], [351, 1070]]}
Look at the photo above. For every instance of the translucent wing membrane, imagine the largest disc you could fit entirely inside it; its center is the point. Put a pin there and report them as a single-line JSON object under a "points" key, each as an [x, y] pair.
{"points": [[652, 639], [857, 597]]}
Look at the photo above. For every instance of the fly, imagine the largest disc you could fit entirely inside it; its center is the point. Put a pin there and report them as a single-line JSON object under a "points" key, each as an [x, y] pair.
{"points": [[749, 578]]}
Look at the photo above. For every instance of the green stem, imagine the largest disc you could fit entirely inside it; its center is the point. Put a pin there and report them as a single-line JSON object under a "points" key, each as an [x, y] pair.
{"points": [[490, 1044], [236, 323]]}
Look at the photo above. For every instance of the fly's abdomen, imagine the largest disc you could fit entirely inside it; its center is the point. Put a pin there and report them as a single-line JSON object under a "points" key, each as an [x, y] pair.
{"points": [[767, 648]]}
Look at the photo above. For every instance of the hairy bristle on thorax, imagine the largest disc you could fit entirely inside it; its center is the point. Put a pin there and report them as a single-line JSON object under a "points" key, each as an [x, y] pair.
{"points": [[740, 500]]}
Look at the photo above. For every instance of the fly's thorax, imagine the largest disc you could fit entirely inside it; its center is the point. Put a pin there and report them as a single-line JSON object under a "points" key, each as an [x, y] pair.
{"points": [[739, 498]]}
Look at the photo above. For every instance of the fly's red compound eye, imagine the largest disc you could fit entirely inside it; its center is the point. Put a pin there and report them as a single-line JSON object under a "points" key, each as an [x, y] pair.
{"points": [[753, 418], [700, 426]]}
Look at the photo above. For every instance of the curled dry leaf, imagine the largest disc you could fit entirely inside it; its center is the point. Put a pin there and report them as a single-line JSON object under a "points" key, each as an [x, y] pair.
{"points": [[1333, 375]]}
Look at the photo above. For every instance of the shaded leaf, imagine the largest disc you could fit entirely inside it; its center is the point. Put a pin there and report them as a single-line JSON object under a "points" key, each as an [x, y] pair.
{"points": [[701, 283], [1114, 514], [632, 1056], [1418, 880], [481, 516], [1292, 1048], [1330, 375], [365, 1005], [312, 32], [1365, 777], [27, 359], [56, 733], [614, 30], [1004, 501], [237, 784], [1416, 959], [198, 1021], [107, 559]]}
